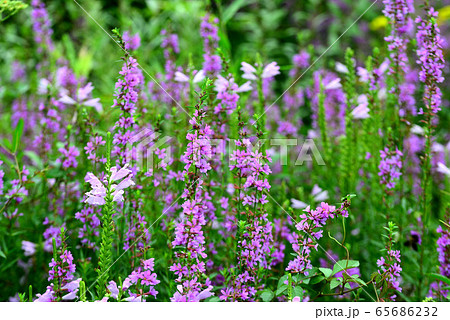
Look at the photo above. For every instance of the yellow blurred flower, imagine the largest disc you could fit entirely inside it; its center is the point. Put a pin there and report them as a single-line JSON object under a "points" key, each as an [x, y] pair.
{"points": [[444, 15], [378, 23]]}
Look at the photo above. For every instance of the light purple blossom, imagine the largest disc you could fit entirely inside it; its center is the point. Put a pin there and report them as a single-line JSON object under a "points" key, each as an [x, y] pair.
{"points": [[98, 192]]}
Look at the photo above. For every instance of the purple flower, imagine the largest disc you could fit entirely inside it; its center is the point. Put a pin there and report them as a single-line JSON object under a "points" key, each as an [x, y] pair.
{"points": [[390, 167], [126, 97], [430, 59], [139, 284], [443, 249], [41, 26], [209, 32], [310, 225], [69, 157], [29, 248], [132, 42]]}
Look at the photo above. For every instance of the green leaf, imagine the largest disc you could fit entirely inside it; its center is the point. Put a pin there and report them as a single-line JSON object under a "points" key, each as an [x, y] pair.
{"points": [[281, 289], [335, 282], [298, 292], [440, 278], [355, 278], [17, 134], [281, 285], [231, 10], [317, 279], [344, 265], [326, 272], [214, 299], [267, 295]]}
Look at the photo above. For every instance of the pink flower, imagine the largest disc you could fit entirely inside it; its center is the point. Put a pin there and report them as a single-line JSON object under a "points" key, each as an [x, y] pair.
{"points": [[362, 110], [98, 193], [271, 70]]}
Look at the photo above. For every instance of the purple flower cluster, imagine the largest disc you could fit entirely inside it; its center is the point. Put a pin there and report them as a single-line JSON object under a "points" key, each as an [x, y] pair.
{"points": [[69, 157], [398, 12], [62, 273], [443, 248], [132, 42], [390, 268], [189, 236], [17, 190], [227, 93], [92, 147], [41, 26], [256, 240], [62, 269], [444, 251], [390, 167], [139, 284], [126, 97], [431, 59], [209, 32], [310, 225], [89, 216]]}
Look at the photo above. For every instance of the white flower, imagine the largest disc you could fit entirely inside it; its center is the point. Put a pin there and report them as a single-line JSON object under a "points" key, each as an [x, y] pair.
{"points": [[362, 110], [319, 194], [335, 84], [98, 193], [437, 147], [443, 169], [82, 98], [249, 71], [297, 204], [181, 77], [417, 130], [341, 67], [43, 86], [363, 74], [245, 87], [222, 84], [29, 248], [199, 76], [271, 70]]}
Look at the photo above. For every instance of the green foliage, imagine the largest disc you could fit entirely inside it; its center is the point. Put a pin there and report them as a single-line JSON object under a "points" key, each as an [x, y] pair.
{"points": [[10, 7]]}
